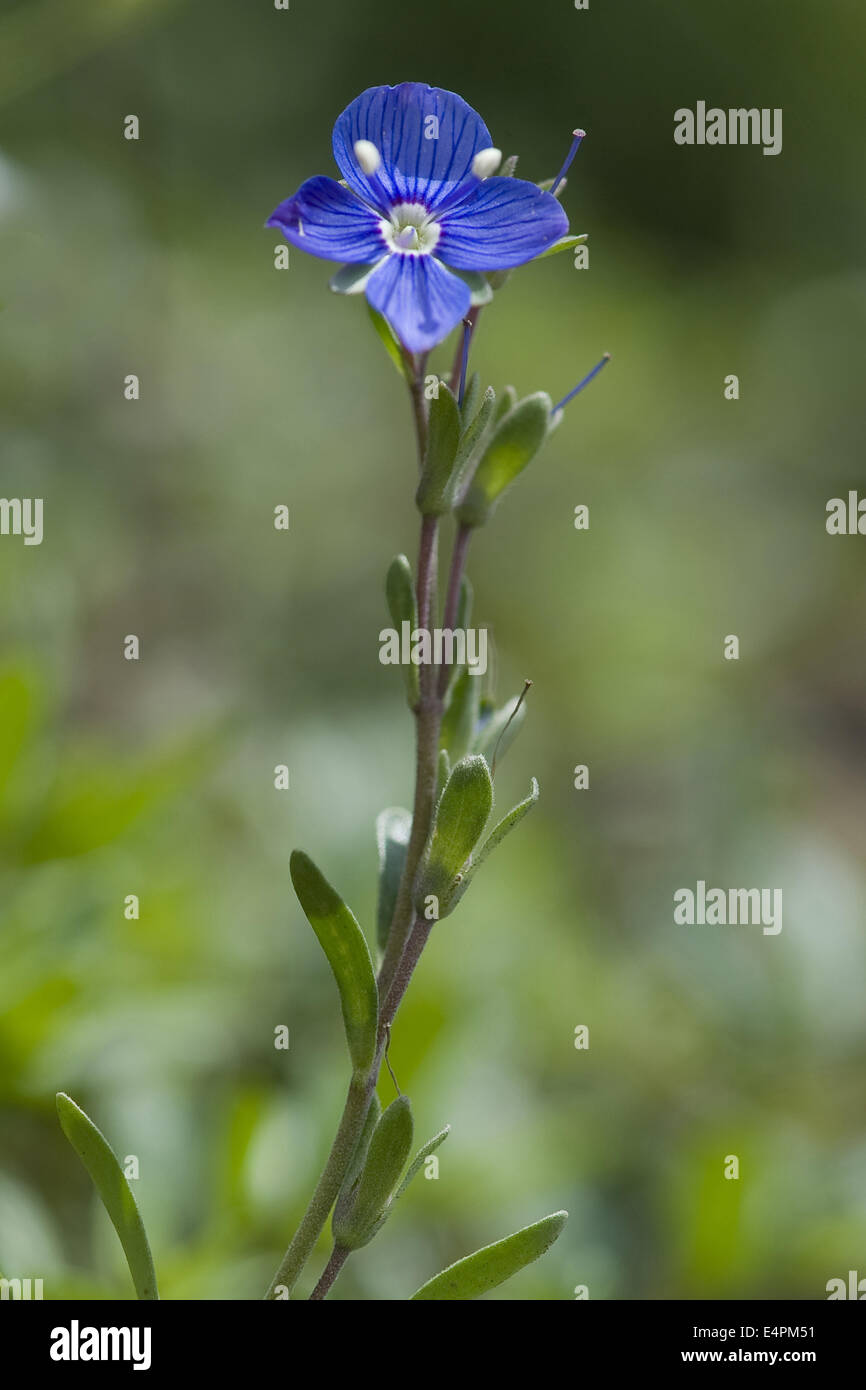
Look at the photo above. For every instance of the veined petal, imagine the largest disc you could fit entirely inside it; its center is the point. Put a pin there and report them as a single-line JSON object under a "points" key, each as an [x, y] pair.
{"points": [[327, 220], [427, 138], [504, 222], [421, 300]]}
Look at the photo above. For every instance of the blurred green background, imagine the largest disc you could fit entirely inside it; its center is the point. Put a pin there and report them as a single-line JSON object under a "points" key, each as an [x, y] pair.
{"points": [[259, 647]]}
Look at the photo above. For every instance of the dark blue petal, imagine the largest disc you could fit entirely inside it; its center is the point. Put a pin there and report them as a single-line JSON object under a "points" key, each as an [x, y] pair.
{"points": [[420, 299], [329, 221], [423, 160], [503, 223]]}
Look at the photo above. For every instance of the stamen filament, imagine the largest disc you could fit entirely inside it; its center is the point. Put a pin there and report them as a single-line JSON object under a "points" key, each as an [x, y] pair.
{"points": [[580, 385], [575, 146]]}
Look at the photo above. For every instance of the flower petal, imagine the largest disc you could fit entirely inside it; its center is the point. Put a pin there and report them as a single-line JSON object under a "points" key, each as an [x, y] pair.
{"points": [[504, 222], [327, 220], [420, 299], [427, 138]]}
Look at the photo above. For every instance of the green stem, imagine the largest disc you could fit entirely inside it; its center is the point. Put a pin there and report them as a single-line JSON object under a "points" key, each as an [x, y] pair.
{"points": [[428, 715], [393, 977], [329, 1184], [418, 936]]}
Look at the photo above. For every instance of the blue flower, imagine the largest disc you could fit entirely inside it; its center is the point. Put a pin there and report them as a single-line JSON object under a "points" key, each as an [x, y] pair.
{"points": [[417, 203]]}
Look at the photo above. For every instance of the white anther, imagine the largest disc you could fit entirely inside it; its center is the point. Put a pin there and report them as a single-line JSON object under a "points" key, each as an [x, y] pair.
{"points": [[367, 156], [486, 162]]}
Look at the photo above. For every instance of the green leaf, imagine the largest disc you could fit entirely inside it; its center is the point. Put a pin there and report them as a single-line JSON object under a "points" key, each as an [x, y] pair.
{"points": [[443, 771], [420, 1159], [565, 243], [461, 816], [459, 720], [374, 1191], [508, 167], [359, 1158], [496, 836], [389, 339], [434, 494], [479, 1273], [470, 441], [403, 607], [471, 399], [507, 401], [352, 279], [393, 828], [348, 955], [108, 1178], [515, 442]]}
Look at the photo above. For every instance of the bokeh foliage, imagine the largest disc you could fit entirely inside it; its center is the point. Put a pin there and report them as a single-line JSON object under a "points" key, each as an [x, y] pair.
{"points": [[258, 647]]}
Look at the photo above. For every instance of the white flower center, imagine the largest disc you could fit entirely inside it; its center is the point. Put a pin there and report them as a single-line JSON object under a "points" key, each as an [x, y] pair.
{"points": [[411, 230]]}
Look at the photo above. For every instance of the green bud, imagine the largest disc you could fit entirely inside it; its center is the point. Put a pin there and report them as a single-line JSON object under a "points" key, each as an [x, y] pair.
{"points": [[433, 497], [515, 442], [358, 1219], [462, 813], [403, 607]]}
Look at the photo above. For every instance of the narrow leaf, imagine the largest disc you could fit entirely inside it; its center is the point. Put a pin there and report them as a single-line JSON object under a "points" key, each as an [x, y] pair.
{"points": [[461, 816], [386, 333], [110, 1182], [496, 836], [359, 1158], [386, 1159], [515, 442], [403, 607], [434, 494], [507, 401], [472, 393], [479, 1273], [470, 442], [348, 956], [564, 244], [458, 722], [443, 771], [421, 1158], [393, 828], [352, 279]]}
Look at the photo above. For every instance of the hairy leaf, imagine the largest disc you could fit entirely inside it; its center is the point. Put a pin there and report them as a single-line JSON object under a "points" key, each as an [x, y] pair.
{"points": [[348, 956], [115, 1192], [479, 1273]]}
